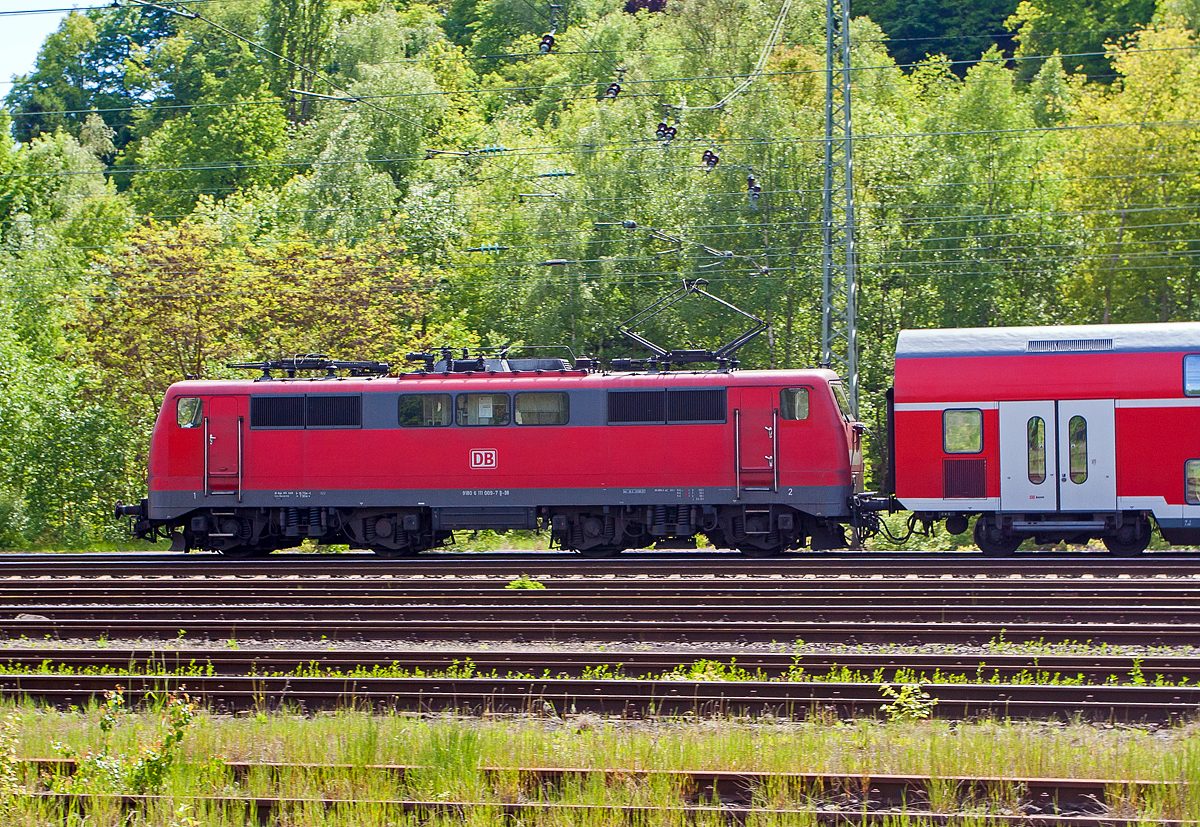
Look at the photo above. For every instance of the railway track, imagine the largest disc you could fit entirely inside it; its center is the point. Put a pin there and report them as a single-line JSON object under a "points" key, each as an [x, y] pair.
{"points": [[1154, 611], [999, 668], [620, 697], [844, 798], [706, 564]]}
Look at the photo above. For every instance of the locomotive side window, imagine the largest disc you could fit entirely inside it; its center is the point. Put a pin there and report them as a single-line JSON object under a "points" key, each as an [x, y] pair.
{"points": [[1191, 476], [793, 403], [483, 409], [1191, 374], [1036, 429], [542, 408], [425, 410], [962, 431], [1078, 455], [188, 410]]}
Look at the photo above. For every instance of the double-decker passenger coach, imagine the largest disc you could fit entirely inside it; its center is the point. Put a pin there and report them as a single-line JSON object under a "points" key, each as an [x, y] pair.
{"points": [[1056, 433]]}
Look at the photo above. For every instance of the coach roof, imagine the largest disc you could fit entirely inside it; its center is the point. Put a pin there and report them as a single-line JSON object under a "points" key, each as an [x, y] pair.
{"points": [[1021, 341]]}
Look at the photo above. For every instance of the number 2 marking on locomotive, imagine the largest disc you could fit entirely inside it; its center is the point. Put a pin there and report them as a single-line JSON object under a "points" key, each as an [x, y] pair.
{"points": [[789, 492]]}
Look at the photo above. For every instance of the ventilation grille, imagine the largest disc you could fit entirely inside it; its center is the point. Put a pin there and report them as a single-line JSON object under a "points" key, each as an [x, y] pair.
{"points": [[964, 478], [277, 412], [696, 406], [300, 411], [334, 411], [637, 406], [1067, 345]]}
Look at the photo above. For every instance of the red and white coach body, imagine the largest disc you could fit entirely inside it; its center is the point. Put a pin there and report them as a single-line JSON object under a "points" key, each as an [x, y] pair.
{"points": [[1057, 433]]}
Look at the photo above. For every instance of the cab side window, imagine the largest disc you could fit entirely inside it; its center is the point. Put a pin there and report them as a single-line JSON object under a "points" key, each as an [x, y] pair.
{"points": [[793, 403], [189, 412]]}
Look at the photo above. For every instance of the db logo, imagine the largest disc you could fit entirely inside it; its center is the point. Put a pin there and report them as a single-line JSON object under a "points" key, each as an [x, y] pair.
{"points": [[483, 458]]}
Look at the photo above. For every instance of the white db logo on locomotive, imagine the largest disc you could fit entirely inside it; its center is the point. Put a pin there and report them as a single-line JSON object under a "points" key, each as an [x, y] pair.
{"points": [[483, 458]]}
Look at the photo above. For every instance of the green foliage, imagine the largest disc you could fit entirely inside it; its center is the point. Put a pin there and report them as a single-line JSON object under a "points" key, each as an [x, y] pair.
{"points": [[143, 773], [214, 218], [524, 582], [911, 703]]}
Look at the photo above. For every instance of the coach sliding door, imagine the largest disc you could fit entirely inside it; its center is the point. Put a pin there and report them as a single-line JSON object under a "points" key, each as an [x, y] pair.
{"points": [[1058, 456], [1028, 460]]}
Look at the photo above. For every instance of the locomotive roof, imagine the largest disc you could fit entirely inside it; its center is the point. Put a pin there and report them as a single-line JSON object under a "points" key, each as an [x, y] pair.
{"points": [[523, 380], [1021, 341]]}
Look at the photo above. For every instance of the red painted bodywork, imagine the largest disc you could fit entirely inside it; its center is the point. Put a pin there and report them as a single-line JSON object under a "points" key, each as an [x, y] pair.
{"points": [[813, 452], [1153, 443]]}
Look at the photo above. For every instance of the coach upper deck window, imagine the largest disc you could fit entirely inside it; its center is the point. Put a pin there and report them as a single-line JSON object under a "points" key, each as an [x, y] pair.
{"points": [[188, 410], [425, 410], [1191, 481], [483, 409], [962, 430], [1191, 374], [542, 408], [793, 403]]}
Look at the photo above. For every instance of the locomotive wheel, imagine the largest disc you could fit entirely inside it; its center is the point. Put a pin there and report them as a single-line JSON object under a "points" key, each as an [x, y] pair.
{"points": [[993, 542], [1130, 541], [600, 552]]}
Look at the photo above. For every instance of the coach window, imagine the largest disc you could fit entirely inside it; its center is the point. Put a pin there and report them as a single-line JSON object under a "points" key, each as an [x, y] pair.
{"points": [[483, 409], [424, 410], [962, 431], [1191, 374], [188, 410], [1077, 455], [1191, 476], [542, 408], [1036, 429], [793, 403]]}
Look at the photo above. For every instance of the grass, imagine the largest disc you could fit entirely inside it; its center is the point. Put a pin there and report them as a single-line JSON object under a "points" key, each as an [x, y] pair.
{"points": [[701, 670], [453, 750]]}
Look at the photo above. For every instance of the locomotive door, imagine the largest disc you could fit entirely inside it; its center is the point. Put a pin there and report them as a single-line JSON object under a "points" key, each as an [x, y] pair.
{"points": [[756, 435], [1087, 455], [223, 447], [1028, 459]]}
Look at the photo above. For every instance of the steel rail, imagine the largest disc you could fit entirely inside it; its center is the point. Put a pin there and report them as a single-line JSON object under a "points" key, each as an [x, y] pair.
{"points": [[265, 811], [648, 563], [1087, 669], [575, 592], [857, 790], [627, 698], [1156, 620], [860, 630]]}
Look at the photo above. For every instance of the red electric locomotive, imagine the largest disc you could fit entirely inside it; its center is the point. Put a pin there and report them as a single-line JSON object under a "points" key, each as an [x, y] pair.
{"points": [[756, 460], [1055, 433]]}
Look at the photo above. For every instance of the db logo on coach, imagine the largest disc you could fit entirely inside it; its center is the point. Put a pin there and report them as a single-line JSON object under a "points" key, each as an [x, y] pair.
{"points": [[483, 458]]}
